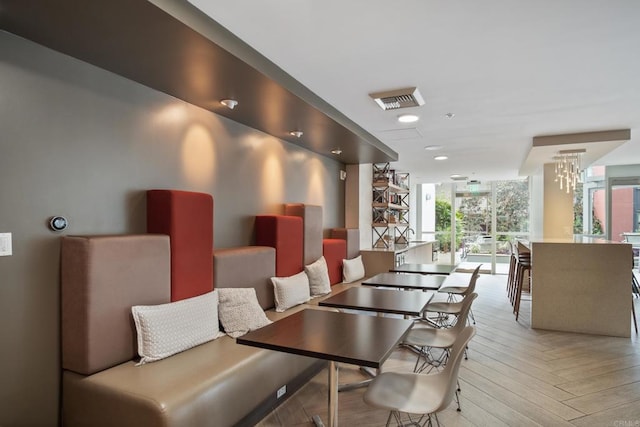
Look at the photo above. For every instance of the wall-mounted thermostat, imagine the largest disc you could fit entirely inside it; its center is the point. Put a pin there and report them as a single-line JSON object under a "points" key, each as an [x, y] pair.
{"points": [[58, 223]]}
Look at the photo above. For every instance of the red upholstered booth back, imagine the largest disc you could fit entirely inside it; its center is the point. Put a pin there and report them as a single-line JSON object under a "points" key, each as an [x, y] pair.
{"points": [[334, 251], [284, 233], [187, 218]]}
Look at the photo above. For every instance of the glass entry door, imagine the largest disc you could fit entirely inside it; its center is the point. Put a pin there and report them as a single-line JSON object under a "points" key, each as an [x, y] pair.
{"points": [[474, 207], [484, 220]]}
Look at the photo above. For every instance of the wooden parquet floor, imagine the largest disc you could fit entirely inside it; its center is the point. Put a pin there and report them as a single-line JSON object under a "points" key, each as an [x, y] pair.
{"points": [[515, 376]]}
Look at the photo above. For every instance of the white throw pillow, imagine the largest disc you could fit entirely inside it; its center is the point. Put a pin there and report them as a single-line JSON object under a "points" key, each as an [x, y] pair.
{"points": [[318, 274], [290, 291], [240, 312], [166, 329], [352, 269]]}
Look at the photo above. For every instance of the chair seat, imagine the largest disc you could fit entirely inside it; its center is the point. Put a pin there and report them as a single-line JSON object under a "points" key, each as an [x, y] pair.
{"points": [[445, 307], [407, 392], [457, 279], [458, 290], [431, 337]]}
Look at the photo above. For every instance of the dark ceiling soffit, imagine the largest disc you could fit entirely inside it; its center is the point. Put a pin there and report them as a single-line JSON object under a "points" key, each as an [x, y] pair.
{"points": [[582, 137], [191, 16], [155, 47]]}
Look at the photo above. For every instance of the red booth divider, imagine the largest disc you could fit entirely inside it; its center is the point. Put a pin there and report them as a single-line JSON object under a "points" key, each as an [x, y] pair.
{"points": [[284, 233], [187, 217], [334, 251]]}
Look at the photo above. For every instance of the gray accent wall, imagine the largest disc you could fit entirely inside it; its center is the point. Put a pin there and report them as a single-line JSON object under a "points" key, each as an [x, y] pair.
{"points": [[85, 143]]}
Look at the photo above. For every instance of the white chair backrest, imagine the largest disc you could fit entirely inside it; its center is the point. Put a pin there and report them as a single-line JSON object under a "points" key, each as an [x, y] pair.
{"points": [[461, 320], [450, 371], [472, 281]]}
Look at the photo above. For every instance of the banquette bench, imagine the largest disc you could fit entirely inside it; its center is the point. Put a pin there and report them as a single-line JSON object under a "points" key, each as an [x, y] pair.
{"points": [[217, 383]]}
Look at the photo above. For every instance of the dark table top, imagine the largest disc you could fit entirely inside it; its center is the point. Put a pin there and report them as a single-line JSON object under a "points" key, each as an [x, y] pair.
{"points": [[341, 337], [410, 303], [424, 268], [406, 281]]}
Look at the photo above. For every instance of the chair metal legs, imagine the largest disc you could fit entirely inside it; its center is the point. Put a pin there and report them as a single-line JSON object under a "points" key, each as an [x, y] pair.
{"points": [[428, 420], [452, 298]]}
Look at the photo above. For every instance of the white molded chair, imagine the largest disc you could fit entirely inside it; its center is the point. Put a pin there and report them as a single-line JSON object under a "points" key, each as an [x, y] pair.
{"points": [[445, 308], [425, 338], [451, 287], [419, 394]]}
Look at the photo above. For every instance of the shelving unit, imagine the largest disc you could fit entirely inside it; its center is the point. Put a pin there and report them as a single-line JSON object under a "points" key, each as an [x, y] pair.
{"points": [[390, 206]]}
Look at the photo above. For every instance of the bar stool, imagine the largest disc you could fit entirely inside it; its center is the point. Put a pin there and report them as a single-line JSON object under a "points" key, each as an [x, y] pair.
{"points": [[523, 265], [518, 252], [635, 291], [513, 260]]}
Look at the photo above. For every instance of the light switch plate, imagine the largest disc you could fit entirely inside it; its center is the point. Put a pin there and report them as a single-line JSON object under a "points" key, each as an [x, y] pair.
{"points": [[5, 244]]}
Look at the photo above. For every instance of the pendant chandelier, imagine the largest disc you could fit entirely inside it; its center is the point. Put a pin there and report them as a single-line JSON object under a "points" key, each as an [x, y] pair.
{"points": [[568, 168]]}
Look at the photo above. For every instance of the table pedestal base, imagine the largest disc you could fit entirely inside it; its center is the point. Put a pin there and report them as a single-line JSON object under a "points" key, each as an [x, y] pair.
{"points": [[317, 421], [359, 384]]}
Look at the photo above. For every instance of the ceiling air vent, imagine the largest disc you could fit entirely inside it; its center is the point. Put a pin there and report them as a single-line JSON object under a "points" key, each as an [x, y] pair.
{"points": [[399, 98]]}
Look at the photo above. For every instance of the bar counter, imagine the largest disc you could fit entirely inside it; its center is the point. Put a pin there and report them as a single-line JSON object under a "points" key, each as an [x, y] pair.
{"points": [[581, 285]]}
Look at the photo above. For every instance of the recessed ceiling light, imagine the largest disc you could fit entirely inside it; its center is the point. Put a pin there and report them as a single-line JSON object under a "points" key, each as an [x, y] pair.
{"points": [[336, 151], [296, 133], [449, 115], [433, 147], [408, 118], [229, 103], [441, 157], [458, 177]]}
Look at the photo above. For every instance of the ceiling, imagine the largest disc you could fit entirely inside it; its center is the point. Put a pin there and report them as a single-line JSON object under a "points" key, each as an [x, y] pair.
{"points": [[509, 71]]}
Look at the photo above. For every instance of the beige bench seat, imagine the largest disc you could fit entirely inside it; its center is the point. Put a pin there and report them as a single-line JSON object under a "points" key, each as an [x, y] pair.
{"points": [[209, 385]]}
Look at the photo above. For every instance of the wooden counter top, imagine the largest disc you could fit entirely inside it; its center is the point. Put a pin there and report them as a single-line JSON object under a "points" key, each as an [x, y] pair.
{"points": [[580, 240]]}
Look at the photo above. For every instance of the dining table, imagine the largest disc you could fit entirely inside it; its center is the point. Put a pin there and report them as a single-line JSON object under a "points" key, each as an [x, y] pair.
{"points": [[380, 301], [334, 336], [431, 268], [408, 281]]}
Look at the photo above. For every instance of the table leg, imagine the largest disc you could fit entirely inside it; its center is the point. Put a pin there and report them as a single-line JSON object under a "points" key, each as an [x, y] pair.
{"points": [[333, 394]]}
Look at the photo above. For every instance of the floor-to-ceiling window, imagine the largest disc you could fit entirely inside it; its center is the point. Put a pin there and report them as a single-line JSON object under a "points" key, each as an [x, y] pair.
{"points": [[590, 208], [512, 218], [611, 205]]}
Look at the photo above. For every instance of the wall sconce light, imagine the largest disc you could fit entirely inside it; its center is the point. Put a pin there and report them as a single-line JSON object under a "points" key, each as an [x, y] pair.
{"points": [[229, 103], [296, 133]]}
